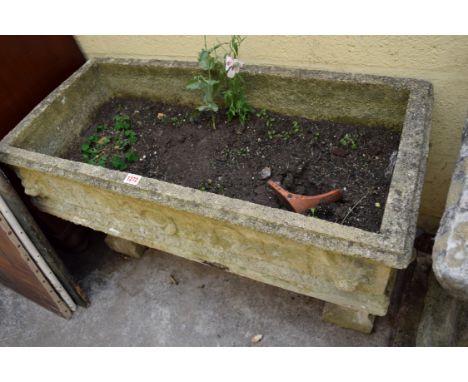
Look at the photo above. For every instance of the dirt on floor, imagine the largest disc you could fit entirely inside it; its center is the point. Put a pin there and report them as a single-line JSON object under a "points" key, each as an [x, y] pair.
{"points": [[306, 157]]}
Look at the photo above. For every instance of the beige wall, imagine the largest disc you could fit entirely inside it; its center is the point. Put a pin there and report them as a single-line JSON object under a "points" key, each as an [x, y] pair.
{"points": [[442, 60]]}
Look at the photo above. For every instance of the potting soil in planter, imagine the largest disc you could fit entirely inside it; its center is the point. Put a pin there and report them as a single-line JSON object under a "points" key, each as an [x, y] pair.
{"points": [[173, 144]]}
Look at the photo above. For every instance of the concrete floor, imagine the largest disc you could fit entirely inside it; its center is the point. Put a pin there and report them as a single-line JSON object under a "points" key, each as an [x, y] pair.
{"points": [[135, 303]]}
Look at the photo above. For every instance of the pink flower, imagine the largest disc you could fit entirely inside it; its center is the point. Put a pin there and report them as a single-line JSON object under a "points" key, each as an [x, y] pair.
{"points": [[233, 66], [229, 62]]}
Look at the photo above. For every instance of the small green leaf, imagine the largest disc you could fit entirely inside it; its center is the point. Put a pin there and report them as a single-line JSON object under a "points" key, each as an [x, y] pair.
{"points": [[194, 84], [208, 107], [128, 133], [102, 161], [124, 145], [204, 60], [132, 157], [211, 82], [118, 163], [85, 147], [121, 122]]}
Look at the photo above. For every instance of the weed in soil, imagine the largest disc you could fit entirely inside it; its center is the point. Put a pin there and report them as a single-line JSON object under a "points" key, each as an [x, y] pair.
{"points": [[111, 144], [348, 141]]}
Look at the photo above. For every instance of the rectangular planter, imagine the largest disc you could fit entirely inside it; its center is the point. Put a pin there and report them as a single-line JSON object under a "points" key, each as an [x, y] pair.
{"points": [[343, 265]]}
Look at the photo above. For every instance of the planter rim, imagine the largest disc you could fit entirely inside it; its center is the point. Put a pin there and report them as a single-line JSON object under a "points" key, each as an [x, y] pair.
{"points": [[392, 247]]}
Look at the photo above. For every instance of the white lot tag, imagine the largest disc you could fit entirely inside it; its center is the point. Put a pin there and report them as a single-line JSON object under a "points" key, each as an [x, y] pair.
{"points": [[132, 179]]}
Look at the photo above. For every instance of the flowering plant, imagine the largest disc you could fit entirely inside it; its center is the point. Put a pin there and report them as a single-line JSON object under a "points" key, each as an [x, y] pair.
{"points": [[222, 78], [233, 66]]}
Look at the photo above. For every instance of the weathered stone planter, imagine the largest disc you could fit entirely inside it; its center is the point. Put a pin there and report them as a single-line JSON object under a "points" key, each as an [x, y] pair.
{"points": [[348, 267], [450, 255]]}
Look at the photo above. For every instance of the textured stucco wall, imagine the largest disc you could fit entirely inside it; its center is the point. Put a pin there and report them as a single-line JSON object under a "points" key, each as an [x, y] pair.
{"points": [[443, 60]]}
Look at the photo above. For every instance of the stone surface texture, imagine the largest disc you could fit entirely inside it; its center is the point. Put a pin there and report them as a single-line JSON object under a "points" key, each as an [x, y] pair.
{"points": [[358, 320], [134, 303], [450, 254], [125, 247], [343, 265], [442, 320]]}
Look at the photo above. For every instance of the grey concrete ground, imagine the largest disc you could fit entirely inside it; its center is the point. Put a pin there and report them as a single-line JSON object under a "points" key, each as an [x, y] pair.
{"points": [[135, 303], [462, 338]]}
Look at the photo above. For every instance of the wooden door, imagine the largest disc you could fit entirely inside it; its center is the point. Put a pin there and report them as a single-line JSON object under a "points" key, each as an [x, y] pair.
{"points": [[31, 275], [19, 272], [30, 68]]}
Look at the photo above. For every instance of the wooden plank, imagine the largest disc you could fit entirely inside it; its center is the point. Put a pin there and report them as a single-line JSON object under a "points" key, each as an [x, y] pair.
{"points": [[30, 68], [19, 272], [35, 255], [39, 240]]}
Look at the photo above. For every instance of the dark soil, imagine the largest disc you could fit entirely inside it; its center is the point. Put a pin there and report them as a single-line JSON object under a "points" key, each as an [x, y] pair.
{"points": [[181, 147]]}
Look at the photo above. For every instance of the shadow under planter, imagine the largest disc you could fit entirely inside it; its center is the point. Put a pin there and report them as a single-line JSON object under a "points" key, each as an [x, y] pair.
{"points": [[349, 267]]}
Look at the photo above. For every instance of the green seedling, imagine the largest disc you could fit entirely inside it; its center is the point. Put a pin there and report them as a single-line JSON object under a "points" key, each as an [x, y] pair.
{"points": [[294, 130], [209, 186], [114, 143], [122, 122], [131, 136], [348, 141], [312, 212], [118, 163], [233, 154], [131, 157], [175, 121], [271, 132], [262, 114], [102, 161]]}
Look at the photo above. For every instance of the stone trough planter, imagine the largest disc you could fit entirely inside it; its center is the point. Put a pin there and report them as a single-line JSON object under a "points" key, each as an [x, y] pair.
{"points": [[450, 254], [350, 268]]}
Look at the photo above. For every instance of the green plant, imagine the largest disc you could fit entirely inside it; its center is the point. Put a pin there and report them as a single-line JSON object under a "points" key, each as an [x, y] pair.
{"points": [[111, 142], [92, 149], [209, 186], [221, 78], [233, 154], [175, 121], [312, 211], [262, 114], [234, 96], [118, 162], [348, 141], [272, 133], [122, 122], [296, 129]]}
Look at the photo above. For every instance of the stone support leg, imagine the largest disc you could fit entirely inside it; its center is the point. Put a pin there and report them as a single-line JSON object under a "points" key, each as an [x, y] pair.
{"points": [[358, 320], [125, 247]]}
